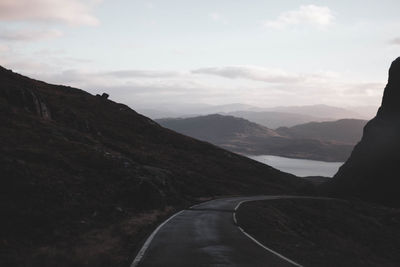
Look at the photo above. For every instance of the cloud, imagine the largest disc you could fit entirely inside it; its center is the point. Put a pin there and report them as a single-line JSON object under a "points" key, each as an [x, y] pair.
{"points": [[309, 14], [28, 35], [215, 16], [364, 88], [252, 73], [259, 86], [142, 73], [149, 5], [139, 88], [395, 41], [141, 78], [73, 12], [4, 48]]}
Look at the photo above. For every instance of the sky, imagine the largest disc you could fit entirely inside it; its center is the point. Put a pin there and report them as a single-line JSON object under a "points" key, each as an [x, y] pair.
{"points": [[155, 53]]}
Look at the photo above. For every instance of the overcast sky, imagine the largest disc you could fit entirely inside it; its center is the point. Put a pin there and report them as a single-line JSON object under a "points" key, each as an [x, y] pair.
{"points": [[264, 53]]}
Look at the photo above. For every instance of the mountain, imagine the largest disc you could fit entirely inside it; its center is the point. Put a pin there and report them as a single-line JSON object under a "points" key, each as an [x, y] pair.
{"points": [[217, 128], [347, 131], [321, 111], [229, 108], [275, 119], [157, 114], [84, 179], [270, 117], [181, 110], [245, 137], [371, 172]]}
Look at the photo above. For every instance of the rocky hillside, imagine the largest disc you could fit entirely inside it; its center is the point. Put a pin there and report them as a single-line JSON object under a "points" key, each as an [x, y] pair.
{"points": [[245, 137], [83, 178], [371, 173]]}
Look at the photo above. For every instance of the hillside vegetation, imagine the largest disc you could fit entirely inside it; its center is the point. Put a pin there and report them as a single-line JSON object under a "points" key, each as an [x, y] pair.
{"points": [[85, 178]]}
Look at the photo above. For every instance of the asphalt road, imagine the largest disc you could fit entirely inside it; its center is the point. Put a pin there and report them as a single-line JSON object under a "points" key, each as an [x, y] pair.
{"points": [[206, 235]]}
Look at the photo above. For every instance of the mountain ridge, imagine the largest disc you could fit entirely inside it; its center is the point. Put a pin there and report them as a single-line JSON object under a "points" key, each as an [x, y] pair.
{"points": [[348, 131], [274, 117]]}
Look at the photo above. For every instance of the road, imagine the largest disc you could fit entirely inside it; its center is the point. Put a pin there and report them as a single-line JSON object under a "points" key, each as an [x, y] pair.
{"points": [[207, 235]]}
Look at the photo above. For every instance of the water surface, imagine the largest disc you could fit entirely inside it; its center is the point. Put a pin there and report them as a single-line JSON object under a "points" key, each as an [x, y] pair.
{"points": [[300, 167]]}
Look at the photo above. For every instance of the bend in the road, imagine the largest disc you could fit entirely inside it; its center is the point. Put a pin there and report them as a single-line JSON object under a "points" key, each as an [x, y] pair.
{"points": [[207, 234]]}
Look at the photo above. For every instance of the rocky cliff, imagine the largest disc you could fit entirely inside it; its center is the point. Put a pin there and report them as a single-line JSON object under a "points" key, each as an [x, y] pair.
{"points": [[372, 171]]}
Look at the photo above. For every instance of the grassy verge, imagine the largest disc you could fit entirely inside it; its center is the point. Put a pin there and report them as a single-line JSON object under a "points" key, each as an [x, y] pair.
{"points": [[325, 232], [114, 245]]}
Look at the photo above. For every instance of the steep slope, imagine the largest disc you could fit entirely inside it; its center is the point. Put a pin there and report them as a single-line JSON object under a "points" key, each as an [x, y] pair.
{"points": [[371, 173], [242, 136], [83, 178], [348, 131]]}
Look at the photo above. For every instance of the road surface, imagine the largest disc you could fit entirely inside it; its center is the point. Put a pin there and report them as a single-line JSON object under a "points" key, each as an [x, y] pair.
{"points": [[207, 235]]}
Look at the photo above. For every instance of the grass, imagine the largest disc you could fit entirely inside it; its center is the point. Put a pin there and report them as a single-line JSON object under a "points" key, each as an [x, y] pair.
{"points": [[325, 232]]}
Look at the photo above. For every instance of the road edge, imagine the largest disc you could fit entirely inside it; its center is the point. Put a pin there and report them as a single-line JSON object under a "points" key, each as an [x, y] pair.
{"points": [[148, 241], [142, 251], [255, 240]]}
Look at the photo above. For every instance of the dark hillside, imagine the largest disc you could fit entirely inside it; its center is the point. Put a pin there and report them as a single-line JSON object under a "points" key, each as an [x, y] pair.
{"points": [[325, 232], [83, 178]]}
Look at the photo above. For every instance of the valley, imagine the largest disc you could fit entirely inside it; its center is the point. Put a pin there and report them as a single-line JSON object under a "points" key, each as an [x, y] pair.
{"points": [[324, 141], [157, 133]]}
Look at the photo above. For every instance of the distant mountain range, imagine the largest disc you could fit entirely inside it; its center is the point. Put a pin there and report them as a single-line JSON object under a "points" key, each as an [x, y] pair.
{"points": [[269, 117], [320, 111], [275, 119], [160, 111], [328, 141], [83, 179], [346, 131]]}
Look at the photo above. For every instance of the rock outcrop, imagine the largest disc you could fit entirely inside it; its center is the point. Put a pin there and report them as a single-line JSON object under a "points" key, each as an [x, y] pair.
{"points": [[21, 96], [372, 171]]}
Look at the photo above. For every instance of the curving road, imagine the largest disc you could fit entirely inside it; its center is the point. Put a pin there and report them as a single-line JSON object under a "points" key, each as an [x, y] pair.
{"points": [[207, 235]]}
